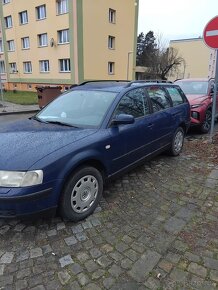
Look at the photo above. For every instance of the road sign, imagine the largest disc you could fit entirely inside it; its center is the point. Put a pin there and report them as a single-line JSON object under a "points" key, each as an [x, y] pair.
{"points": [[211, 33]]}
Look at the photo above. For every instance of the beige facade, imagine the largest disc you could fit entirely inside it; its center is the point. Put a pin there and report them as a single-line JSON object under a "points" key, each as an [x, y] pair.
{"points": [[199, 60], [65, 42]]}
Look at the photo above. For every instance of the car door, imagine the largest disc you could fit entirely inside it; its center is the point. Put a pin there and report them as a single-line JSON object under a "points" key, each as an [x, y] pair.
{"points": [[131, 142], [162, 121]]}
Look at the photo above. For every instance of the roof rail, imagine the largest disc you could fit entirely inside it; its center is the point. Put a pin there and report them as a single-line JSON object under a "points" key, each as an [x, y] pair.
{"points": [[147, 81], [99, 81]]}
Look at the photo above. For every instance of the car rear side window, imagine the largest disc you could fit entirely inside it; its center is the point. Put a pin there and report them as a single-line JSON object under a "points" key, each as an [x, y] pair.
{"points": [[133, 103], [159, 99], [175, 95]]}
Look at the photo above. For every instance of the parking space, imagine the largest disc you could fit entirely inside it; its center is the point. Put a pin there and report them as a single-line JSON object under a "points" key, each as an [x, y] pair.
{"points": [[155, 228]]}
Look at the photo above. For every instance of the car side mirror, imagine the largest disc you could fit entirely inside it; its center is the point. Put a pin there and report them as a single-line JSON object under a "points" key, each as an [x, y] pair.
{"points": [[123, 119]]}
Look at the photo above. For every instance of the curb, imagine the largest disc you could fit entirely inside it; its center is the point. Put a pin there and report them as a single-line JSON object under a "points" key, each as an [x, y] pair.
{"points": [[18, 112]]}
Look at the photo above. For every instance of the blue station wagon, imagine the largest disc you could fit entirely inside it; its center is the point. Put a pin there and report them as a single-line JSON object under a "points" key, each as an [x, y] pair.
{"points": [[60, 158]]}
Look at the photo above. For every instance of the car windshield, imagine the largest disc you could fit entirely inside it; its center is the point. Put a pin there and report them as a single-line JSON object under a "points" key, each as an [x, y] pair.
{"points": [[194, 88], [79, 108]]}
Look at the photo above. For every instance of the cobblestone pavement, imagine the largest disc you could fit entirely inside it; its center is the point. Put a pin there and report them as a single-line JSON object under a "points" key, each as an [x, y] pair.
{"points": [[156, 228]]}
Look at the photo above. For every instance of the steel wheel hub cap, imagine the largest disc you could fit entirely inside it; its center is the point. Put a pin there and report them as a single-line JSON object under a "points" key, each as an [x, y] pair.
{"points": [[84, 193], [178, 141]]}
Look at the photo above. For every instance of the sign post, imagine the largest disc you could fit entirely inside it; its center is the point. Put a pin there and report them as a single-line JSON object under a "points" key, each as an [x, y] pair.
{"points": [[211, 40]]}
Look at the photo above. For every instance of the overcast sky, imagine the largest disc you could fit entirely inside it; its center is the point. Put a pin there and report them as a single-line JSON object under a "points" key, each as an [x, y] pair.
{"points": [[176, 19]]}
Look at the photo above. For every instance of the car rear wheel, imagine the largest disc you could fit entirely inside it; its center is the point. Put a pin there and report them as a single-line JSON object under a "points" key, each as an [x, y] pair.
{"points": [[81, 194], [206, 125], [177, 142]]}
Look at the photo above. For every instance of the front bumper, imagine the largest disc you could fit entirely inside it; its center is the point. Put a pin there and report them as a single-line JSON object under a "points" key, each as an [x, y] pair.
{"points": [[25, 202]]}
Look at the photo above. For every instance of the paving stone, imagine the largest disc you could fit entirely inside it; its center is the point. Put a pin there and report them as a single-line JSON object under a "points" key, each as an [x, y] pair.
{"points": [[6, 280], [83, 279], [74, 286], [65, 261], [144, 265], [35, 253], [172, 257], [214, 275], [132, 255], [81, 237], [104, 261], [108, 282], [46, 249], [64, 277], [22, 256], [210, 263], [87, 225], [76, 268], [174, 225], [121, 247], [91, 266], [39, 287], [95, 222], [92, 286], [107, 248], [97, 274], [21, 284], [2, 267], [23, 273], [179, 275], [126, 263], [192, 257], [77, 229], [19, 227], [70, 241], [82, 257], [115, 271], [198, 270], [165, 265], [95, 253], [180, 246], [7, 258], [61, 226], [116, 256]]}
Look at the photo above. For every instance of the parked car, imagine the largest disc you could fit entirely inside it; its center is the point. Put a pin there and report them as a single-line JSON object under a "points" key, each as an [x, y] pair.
{"points": [[200, 95], [61, 157]]}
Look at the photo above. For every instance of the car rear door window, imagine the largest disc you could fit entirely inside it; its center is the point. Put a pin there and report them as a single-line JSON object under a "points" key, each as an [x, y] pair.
{"points": [[159, 99], [175, 95], [133, 103]]}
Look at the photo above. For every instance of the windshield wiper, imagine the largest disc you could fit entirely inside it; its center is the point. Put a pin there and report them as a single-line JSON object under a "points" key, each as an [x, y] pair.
{"points": [[37, 119], [61, 123]]}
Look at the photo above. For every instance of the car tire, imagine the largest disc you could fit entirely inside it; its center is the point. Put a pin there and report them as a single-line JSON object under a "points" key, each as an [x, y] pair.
{"points": [[177, 142], [81, 194], [206, 125]]}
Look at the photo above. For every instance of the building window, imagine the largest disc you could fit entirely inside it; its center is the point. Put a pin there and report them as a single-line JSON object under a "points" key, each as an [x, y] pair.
{"points": [[43, 39], [8, 21], [25, 42], [6, 1], [44, 66], [62, 6], [111, 42], [1, 46], [112, 15], [111, 68], [29, 86], [11, 45], [2, 67], [41, 12], [13, 67], [64, 65], [27, 67], [63, 36], [23, 17]]}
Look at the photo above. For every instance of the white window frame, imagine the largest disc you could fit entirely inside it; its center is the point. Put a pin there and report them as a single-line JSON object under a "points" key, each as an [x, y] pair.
{"points": [[25, 42], [64, 65], [63, 36], [44, 66], [41, 12], [27, 67], [2, 67], [43, 39], [112, 15], [8, 21], [111, 68], [11, 45], [23, 15], [6, 1], [1, 46], [62, 7], [111, 42], [13, 67]]}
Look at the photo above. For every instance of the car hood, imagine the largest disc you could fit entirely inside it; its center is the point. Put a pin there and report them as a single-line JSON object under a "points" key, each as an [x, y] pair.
{"points": [[23, 143], [196, 99]]}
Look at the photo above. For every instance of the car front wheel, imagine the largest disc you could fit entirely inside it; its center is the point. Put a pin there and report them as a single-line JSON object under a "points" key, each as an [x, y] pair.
{"points": [[81, 194], [177, 142], [205, 127]]}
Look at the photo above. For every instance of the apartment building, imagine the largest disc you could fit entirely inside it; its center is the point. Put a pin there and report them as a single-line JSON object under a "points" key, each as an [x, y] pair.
{"points": [[65, 42], [3, 77], [199, 59]]}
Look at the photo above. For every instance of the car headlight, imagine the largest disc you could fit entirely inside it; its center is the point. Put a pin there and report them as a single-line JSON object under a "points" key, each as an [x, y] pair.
{"points": [[196, 106], [20, 179]]}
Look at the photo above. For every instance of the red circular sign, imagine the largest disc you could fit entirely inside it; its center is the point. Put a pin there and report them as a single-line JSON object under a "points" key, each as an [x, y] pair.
{"points": [[211, 33]]}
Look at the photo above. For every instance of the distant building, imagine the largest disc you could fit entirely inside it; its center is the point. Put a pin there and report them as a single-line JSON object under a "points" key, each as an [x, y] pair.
{"points": [[199, 59], [3, 76], [65, 42]]}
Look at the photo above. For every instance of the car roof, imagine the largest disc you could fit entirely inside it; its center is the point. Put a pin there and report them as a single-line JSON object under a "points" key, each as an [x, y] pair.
{"points": [[118, 86], [195, 80]]}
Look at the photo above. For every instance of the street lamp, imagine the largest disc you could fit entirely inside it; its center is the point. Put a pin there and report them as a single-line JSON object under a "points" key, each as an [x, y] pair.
{"points": [[127, 73]]}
